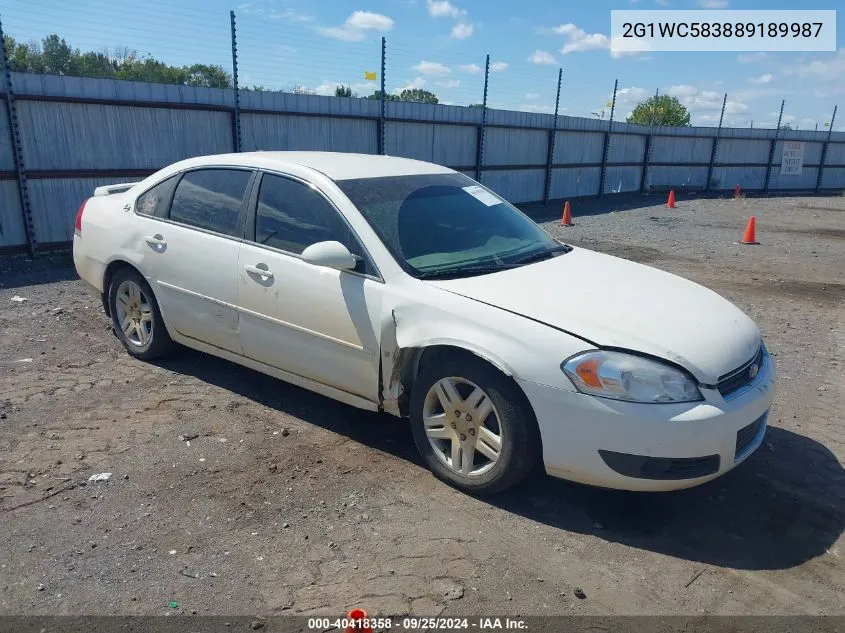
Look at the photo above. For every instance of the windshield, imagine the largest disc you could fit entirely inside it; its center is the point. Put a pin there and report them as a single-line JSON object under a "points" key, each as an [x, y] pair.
{"points": [[447, 224]]}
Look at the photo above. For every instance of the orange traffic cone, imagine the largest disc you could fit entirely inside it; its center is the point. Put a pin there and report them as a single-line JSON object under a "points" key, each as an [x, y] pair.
{"points": [[357, 620], [670, 203], [737, 192], [566, 220], [749, 237]]}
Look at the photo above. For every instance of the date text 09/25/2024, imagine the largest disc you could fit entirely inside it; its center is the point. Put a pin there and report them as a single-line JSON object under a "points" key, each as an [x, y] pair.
{"points": [[418, 624]]}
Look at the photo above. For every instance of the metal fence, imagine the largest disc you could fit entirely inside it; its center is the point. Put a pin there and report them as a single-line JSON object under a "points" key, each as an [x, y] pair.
{"points": [[67, 135]]}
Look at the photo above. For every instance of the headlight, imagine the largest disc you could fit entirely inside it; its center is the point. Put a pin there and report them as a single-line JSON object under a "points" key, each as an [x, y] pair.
{"points": [[628, 377]]}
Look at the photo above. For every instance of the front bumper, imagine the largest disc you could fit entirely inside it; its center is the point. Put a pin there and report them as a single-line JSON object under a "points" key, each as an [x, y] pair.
{"points": [[632, 446]]}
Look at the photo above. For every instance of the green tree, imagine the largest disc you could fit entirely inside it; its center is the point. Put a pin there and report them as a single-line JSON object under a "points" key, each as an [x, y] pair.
{"points": [[476, 105], [417, 95], [59, 58], [208, 76], [660, 110], [387, 97], [343, 91]]}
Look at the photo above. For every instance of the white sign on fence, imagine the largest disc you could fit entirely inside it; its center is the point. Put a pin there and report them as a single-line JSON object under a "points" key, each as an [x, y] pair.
{"points": [[792, 161]]}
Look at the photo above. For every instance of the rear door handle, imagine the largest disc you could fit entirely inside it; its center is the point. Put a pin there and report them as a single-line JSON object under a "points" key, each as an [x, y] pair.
{"points": [[255, 270], [155, 240]]}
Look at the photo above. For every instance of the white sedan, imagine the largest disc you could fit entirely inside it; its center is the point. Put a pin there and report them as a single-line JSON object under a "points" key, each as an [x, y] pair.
{"points": [[397, 285]]}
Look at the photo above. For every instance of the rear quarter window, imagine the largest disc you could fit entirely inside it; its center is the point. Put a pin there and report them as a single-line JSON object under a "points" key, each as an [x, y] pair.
{"points": [[156, 200]]}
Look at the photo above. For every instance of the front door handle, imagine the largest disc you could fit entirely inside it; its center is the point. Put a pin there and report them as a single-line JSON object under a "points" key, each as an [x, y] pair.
{"points": [[257, 270], [156, 240]]}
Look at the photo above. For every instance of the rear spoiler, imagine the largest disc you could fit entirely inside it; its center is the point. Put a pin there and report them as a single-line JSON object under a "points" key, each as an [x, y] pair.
{"points": [[108, 190]]}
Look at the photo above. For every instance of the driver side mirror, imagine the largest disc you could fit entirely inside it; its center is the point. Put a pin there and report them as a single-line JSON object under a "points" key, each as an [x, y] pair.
{"points": [[330, 254]]}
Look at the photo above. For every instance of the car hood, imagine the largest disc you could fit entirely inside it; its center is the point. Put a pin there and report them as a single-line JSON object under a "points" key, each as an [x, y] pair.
{"points": [[613, 302]]}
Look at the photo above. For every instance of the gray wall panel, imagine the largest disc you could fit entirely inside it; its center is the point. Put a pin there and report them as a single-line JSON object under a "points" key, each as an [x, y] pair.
{"points": [[746, 177], [742, 151], [572, 182], [525, 185], [680, 149], [835, 154], [11, 221], [625, 148], [87, 136], [578, 147], [834, 178], [56, 201], [450, 145], [515, 147], [295, 132], [622, 179], [7, 158], [695, 177]]}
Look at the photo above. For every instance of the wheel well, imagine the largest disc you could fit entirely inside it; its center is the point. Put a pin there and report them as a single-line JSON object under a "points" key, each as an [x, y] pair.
{"points": [[111, 270], [413, 360]]}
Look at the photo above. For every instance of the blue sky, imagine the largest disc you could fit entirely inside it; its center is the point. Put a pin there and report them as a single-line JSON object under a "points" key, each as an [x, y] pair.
{"points": [[440, 45]]}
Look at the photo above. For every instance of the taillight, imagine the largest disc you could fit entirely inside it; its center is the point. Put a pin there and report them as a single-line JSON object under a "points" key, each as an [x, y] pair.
{"points": [[77, 227]]}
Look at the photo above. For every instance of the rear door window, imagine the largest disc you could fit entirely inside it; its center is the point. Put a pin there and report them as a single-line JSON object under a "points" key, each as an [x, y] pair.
{"points": [[156, 200], [211, 199]]}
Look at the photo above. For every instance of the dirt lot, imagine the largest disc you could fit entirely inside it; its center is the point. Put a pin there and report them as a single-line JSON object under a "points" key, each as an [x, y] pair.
{"points": [[287, 502]]}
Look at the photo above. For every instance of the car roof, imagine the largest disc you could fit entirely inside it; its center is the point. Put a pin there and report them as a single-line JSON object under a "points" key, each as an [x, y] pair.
{"points": [[335, 165]]}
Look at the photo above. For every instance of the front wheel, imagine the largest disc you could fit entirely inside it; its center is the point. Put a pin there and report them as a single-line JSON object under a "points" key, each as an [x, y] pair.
{"points": [[136, 317], [473, 426]]}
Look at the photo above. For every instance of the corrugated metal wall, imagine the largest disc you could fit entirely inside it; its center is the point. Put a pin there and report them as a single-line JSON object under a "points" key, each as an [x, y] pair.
{"points": [[116, 131]]}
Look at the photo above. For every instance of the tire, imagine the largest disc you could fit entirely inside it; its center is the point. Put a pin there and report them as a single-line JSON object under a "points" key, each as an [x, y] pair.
{"points": [[511, 415], [151, 340]]}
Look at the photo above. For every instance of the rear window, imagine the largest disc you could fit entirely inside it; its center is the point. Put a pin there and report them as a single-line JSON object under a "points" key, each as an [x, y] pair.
{"points": [[211, 199]]}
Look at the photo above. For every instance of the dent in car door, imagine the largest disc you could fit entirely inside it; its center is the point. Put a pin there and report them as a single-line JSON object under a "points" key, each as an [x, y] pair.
{"points": [[312, 321], [192, 257]]}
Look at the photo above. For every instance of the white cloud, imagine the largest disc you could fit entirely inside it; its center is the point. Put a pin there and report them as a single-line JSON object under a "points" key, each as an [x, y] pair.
{"points": [[532, 95], [624, 47], [369, 20], [682, 90], [432, 68], [498, 67], [418, 82], [327, 88], [762, 79], [629, 96], [827, 69], [533, 107], [751, 58], [542, 57], [472, 69], [356, 26], [461, 31], [452, 83], [290, 15], [697, 100], [714, 4], [444, 9], [578, 40]]}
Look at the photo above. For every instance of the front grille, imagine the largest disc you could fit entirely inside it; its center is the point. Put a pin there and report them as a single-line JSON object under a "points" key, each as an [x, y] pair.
{"points": [[741, 377], [745, 436]]}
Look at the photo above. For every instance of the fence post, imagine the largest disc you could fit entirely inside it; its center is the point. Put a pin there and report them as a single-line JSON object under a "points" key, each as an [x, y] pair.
{"points": [[236, 113], [715, 147], [606, 144], [647, 148], [17, 150], [824, 151], [772, 148], [381, 123], [479, 148], [551, 145]]}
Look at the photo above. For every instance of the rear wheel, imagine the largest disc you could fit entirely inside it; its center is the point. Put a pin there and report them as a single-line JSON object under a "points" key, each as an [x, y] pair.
{"points": [[136, 317], [473, 425]]}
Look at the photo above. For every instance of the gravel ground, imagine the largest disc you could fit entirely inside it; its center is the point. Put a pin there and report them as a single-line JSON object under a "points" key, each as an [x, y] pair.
{"points": [[283, 501]]}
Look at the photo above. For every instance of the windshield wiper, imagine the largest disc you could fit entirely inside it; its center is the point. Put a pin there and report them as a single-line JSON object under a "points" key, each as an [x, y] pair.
{"points": [[463, 271], [536, 257]]}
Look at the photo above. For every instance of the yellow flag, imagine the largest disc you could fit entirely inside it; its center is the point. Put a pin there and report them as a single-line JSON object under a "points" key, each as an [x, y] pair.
{"points": [[369, 76], [609, 104]]}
